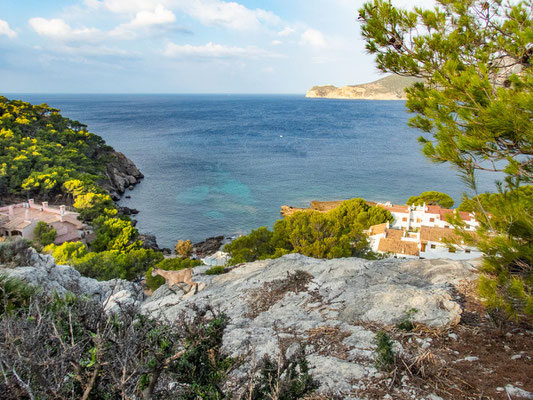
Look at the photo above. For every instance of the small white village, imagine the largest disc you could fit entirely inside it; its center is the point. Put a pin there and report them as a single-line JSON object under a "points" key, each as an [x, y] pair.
{"points": [[422, 231]]}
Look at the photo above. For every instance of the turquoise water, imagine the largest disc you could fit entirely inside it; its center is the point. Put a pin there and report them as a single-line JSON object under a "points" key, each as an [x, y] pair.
{"points": [[217, 164]]}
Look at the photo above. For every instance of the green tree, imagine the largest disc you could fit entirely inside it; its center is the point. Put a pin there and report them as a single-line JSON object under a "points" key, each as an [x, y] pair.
{"points": [[432, 199], [474, 107], [44, 233]]}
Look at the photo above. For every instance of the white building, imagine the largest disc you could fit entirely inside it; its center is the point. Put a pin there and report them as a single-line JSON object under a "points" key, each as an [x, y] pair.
{"points": [[422, 232]]}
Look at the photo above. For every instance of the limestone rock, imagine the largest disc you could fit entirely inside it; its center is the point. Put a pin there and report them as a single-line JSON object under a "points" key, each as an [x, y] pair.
{"points": [[121, 174], [327, 310], [43, 273], [391, 87]]}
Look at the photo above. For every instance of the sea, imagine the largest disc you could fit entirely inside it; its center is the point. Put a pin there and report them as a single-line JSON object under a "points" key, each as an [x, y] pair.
{"points": [[225, 164]]}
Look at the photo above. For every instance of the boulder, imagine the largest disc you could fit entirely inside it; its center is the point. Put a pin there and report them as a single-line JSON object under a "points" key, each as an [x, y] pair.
{"points": [[327, 305], [43, 273], [121, 174]]}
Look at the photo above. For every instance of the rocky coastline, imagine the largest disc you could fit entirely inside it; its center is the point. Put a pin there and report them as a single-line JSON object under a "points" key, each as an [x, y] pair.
{"points": [[121, 174]]}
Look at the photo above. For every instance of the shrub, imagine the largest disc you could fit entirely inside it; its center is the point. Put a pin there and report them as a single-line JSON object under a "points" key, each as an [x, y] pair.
{"points": [[338, 233], [70, 348], [14, 294], [183, 248], [216, 270], [44, 234], [168, 264], [284, 379], [431, 198], [384, 354]]}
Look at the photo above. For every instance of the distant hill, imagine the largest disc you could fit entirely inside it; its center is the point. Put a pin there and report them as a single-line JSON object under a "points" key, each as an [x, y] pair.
{"points": [[389, 88]]}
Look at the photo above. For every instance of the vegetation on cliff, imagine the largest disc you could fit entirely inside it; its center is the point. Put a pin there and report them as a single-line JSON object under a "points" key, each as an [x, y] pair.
{"points": [[337, 233], [474, 107]]}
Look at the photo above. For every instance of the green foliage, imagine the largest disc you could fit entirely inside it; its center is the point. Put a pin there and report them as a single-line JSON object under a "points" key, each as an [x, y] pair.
{"points": [[40, 151], [431, 198], [406, 324], [92, 205], [44, 233], [474, 107], [113, 233], [283, 380], [76, 347], [14, 294], [338, 233], [168, 264], [385, 356], [66, 252], [202, 366], [216, 270]]}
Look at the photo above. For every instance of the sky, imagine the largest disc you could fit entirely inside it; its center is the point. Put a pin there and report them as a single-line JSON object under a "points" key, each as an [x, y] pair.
{"points": [[182, 46]]}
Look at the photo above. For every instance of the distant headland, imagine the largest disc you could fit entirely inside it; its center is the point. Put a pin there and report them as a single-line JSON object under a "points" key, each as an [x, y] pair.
{"points": [[391, 87]]}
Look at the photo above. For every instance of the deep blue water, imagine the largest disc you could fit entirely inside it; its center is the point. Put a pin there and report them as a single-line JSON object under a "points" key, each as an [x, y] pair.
{"points": [[224, 164]]}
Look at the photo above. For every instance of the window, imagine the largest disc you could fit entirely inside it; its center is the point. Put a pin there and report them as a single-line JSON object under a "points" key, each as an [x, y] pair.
{"points": [[451, 250], [433, 246], [467, 251], [432, 220], [418, 220], [404, 219]]}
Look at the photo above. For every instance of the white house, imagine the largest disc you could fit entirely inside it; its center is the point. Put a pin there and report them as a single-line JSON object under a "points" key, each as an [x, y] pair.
{"points": [[422, 232]]}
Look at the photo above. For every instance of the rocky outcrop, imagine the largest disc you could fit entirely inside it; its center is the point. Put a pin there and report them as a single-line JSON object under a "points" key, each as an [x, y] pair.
{"points": [[329, 306], [389, 88], [121, 174], [43, 273], [150, 242], [208, 247]]}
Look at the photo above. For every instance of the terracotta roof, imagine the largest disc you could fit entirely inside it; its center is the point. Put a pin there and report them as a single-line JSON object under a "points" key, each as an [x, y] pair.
{"points": [[395, 208], [428, 234], [398, 247], [377, 229], [22, 217], [396, 234], [443, 212]]}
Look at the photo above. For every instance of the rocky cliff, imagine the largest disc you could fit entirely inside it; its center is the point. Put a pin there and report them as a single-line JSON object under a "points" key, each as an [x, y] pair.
{"points": [[389, 88], [121, 174], [445, 346]]}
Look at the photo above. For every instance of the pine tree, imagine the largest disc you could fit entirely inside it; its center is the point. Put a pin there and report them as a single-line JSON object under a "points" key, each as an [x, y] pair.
{"points": [[474, 106]]}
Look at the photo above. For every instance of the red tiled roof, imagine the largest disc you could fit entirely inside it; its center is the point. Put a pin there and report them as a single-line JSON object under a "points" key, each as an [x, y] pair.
{"points": [[397, 246]]}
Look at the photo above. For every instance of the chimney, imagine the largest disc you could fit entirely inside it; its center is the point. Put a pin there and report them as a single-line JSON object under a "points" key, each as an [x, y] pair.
{"points": [[45, 205], [388, 224], [11, 211], [27, 216], [31, 202], [61, 210]]}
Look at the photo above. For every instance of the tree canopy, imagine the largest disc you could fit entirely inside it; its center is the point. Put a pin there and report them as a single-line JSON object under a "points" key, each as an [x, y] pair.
{"points": [[431, 198], [474, 106]]}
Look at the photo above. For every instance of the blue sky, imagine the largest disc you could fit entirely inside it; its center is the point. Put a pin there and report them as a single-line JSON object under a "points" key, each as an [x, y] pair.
{"points": [[181, 46]]}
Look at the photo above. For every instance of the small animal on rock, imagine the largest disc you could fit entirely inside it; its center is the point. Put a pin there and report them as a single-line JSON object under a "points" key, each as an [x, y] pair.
{"points": [[175, 277]]}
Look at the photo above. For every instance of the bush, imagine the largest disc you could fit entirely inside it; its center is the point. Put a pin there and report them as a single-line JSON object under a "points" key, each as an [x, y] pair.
{"points": [[44, 234], [284, 379], [14, 294], [70, 348], [385, 356], [183, 248], [431, 198], [216, 270], [168, 264], [338, 233]]}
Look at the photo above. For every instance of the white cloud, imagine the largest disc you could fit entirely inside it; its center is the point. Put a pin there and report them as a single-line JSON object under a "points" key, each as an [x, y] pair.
{"points": [[124, 6], [286, 32], [230, 15], [276, 42], [216, 51], [227, 14], [144, 20], [58, 29], [6, 30], [313, 37]]}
